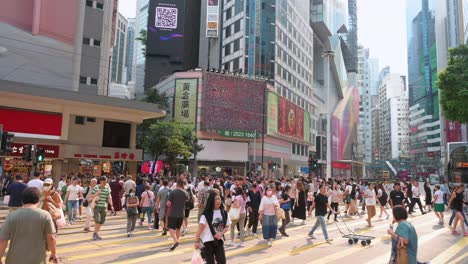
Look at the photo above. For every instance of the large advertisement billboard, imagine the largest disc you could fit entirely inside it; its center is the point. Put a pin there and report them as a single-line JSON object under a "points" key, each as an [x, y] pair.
{"points": [[212, 18], [286, 119], [232, 103], [165, 35], [185, 101]]}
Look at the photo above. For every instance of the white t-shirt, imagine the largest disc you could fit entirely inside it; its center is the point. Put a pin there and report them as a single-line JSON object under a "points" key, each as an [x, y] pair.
{"points": [[36, 183], [349, 188], [82, 190], [370, 201], [440, 197], [415, 191], [73, 192], [61, 185], [217, 223]]}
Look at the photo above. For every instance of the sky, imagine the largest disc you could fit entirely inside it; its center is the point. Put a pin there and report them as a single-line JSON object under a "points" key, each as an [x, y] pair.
{"points": [[382, 29]]}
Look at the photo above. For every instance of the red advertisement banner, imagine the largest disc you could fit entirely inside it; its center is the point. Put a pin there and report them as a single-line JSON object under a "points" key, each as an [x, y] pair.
{"points": [[290, 120]]}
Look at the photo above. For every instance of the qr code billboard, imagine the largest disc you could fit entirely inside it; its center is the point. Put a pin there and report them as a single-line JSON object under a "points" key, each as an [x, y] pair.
{"points": [[166, 17]]}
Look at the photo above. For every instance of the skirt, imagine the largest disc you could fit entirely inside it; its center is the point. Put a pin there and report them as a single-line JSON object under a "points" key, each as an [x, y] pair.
{"points": [[269, 226], [440, 208]]}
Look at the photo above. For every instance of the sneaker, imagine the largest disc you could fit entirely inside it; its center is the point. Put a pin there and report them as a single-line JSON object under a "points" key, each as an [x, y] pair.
{"points": [[254, 234], [128, 234], [230, 243], [329, 240], [98, 237], [149, 228], [424, 213], [270, 243], [95, 236], [336, 220], [176, 244], [240, 244], [164, 233], [312, 236]]}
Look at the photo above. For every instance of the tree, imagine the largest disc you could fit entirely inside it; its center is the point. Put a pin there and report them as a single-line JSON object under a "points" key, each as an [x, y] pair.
{"points": [[453, 84], [155, 97], [172, 140], [143, 38]]}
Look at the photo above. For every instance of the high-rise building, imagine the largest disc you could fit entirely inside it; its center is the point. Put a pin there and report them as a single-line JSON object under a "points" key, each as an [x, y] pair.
{"points": [[351, 39], [364, 145], [130, 53], [393, 118], [375, 128], [79, 37], [425, 149], [119, 72], [141, 29]]}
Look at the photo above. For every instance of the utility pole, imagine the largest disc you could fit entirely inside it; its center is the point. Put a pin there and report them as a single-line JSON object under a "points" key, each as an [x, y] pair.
{"points": [[328, 55]]}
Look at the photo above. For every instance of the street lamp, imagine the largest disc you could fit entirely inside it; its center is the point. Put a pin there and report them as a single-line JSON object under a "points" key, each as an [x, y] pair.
{"points": [[328, 54]]}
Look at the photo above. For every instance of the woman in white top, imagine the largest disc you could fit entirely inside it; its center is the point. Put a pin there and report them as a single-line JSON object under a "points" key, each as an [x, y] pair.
{"points": [[439, 205], [71, 199], [267, 215], [214, 223], [336, 196], [370, 203]]}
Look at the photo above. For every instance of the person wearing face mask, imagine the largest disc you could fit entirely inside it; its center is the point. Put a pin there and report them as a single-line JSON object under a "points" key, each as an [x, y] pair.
{"points": [[50, 197], [267, 215], [132, 211]]}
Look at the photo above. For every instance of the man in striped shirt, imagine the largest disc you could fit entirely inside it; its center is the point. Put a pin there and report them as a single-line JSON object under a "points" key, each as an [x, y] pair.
{"points": [[103, 192]]}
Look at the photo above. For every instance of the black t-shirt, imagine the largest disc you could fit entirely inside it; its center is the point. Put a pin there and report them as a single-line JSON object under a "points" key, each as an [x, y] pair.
{"points": [[457, 202], [16, 194], [177, 198], [321, 205], [397, 197]]}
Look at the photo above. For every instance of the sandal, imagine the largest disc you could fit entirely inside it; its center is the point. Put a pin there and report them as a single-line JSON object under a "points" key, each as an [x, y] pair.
{"points": [[455, 233]]}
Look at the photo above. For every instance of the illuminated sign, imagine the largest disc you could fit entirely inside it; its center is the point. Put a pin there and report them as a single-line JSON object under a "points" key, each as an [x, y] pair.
{"points": [[461, 165]]}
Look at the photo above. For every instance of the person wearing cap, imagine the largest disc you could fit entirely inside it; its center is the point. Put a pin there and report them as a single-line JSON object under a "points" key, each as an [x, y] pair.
{"points": [[102, 190], [36, 182], [51, 201]]}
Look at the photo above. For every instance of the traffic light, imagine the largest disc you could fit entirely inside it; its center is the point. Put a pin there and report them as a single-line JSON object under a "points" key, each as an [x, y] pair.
{"points": [[311, 162], [40, 155], [7, 142], [270, 165], [27, 153], [275, 166], [315, 164]]}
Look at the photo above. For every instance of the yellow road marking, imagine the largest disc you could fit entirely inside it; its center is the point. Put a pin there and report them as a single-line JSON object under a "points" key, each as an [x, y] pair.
{"points": [[451, 251], [459, 259]]}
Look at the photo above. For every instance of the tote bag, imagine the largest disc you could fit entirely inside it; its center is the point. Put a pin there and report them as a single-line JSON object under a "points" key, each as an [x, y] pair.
{"points": [[234, 213]]}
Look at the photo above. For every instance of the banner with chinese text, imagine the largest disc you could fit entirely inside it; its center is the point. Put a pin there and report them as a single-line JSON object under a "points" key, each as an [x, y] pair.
{"points": [[185, 101]]}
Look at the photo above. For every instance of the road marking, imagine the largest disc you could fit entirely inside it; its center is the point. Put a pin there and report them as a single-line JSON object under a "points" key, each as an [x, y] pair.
{"points": [[459, 259], [421, 241], [450, 252]]}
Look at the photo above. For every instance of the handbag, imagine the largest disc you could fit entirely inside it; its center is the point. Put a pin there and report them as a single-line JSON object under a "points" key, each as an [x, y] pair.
{"points": [[60, 222], [131, 211], [234, 213], [6, 199], [286, 206], [197, 258], [279, 213], [402, 255]]}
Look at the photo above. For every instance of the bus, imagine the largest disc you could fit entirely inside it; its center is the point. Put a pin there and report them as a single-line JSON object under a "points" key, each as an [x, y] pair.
{"points": [[457, 163]]}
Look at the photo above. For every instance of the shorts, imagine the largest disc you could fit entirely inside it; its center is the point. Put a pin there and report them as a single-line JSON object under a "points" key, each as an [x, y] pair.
{"points": [[80, 202], [174, 223], [440, 208], [100, 215], [187, 213]]}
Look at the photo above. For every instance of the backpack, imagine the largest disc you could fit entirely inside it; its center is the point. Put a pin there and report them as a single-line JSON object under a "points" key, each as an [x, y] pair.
{"points": [[189, 204]]}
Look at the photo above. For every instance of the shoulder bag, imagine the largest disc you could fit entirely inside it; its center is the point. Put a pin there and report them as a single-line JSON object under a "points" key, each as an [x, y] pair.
{"points": [[234, 213]]}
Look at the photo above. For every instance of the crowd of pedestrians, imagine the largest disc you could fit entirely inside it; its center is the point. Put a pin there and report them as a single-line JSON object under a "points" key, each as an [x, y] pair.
{"points": [[230, 203]]}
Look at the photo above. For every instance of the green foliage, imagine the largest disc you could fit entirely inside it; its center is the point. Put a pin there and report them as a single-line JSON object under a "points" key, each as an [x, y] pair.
{"points": [[144, 40], [453, 83]]}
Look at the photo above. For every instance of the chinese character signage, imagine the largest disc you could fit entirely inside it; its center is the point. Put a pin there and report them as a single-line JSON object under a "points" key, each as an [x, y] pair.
{"points": [[50, 151], [212, 19], [286, 119], [185, 101]]}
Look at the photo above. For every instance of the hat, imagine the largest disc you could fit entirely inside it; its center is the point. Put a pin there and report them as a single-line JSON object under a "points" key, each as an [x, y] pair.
{"points": [[48, 181]]}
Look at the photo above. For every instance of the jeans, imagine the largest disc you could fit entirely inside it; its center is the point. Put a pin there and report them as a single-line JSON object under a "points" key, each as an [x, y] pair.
{"points": [[320, 221], [269, 226], [239, 221], [89, 216], [454, 213], [334, 206], [253, 221], [131, 220], [148, 212], [214, 250], [72, 207]]}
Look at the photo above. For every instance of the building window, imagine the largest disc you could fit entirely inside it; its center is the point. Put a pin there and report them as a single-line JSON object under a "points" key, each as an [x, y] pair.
{"points": [[99, 6], [236, 65], [228, 31], [237, 26], [227, 49], [85, 41], [236, 45], [97, 43], [79, 120], [83, 79], [228, 13], [93, 81], [91, 119], [89, 3]]}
